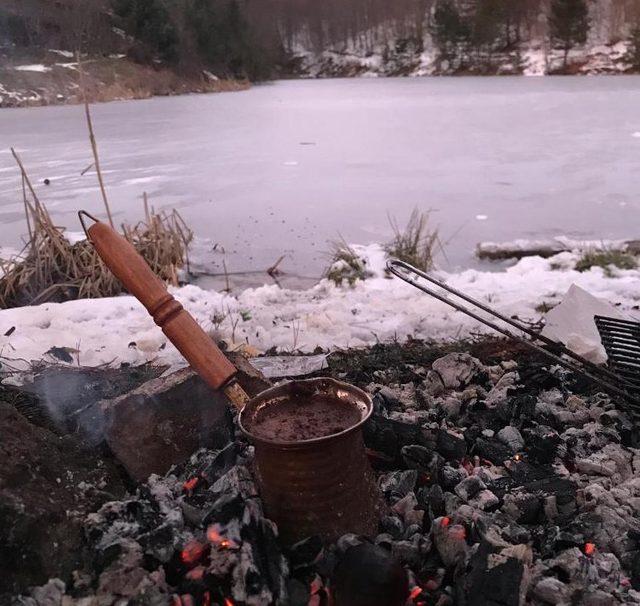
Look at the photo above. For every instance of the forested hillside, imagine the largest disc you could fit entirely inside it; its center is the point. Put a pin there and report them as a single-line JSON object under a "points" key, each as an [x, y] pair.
{"points": [[203, 41]]}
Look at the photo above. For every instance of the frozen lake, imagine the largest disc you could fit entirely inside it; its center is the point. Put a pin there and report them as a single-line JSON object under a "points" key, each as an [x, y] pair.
{"points": [[285, 167]]}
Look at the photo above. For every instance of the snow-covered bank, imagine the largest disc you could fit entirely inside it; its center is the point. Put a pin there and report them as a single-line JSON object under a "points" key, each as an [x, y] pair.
{"points": [[118, 330]]}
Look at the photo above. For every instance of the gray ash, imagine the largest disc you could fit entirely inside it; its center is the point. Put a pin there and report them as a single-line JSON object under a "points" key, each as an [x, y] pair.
{"points": [[505, 485]]}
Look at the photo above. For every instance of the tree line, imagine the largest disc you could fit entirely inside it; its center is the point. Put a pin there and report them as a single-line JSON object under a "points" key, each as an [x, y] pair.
{"points": [[250, 38]]}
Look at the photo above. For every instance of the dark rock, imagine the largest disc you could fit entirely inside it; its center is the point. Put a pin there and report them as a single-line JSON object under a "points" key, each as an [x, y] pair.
{"points": [[418, 457], [469, 487]]}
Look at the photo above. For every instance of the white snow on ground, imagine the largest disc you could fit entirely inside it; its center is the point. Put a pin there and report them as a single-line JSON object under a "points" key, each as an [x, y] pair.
{"points": [[556, 244], [62, 53], [379, 309], [534, 61], [36, 67]]}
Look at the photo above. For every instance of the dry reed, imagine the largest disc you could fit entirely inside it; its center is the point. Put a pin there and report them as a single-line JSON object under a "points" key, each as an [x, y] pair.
{"points": [[51, 268]]}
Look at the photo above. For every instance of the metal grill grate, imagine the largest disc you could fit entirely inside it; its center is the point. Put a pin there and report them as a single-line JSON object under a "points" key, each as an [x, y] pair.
{"points": [[621, 340]]}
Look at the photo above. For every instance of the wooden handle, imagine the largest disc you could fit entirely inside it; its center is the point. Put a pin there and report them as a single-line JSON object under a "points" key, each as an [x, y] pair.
{"points": [[181, 329]]}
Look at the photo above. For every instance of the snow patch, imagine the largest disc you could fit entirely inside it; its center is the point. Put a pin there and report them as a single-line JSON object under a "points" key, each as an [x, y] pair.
{"points": [[36, 67], [119, 330]]}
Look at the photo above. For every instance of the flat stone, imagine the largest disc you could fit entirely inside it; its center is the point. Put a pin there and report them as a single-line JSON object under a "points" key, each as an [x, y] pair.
{"points": [[165, 420]]}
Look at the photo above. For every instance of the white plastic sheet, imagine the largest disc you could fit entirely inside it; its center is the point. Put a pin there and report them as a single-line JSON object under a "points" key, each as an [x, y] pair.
{"points": [[572, 323]]}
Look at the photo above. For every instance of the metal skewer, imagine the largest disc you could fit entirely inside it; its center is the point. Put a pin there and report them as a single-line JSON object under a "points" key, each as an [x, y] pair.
{"points": [[608, 380]]}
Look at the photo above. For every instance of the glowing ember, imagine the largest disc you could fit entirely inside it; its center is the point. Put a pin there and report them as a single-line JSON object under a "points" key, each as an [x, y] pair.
{"points": [[206, 600], [190, 485], [589, 548], [517, 457], [315, 586], [214, 536], [415, 592], [192, 552], [228, 602], [445, 521], [187, 600], [196, 574]]}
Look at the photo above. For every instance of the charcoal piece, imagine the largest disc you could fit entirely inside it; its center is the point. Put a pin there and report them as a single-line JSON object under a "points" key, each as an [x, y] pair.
{"points": [[369, 576], [635, 571], [516, 534], [389, 436], [398, 484], [418, 457], [450, 477], [407, 553], [412, 530], [542, 443], [490, 584], [393, 526], [565, 540], [230, 492], [528, 508], [492, 450], [298, 593], [221, 463], [469, 487], [451, 446], [305, 552], [510, 436], [436, 501], [158, 542]]}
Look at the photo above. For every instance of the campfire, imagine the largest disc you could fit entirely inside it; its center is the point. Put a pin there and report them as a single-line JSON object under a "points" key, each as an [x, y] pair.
{"points": [[506, 483]]}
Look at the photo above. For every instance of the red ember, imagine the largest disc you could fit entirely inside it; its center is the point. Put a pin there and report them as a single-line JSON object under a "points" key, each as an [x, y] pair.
{"points": [[192, 552], [196, 574], [589, 548], [190, 485], [206, 600], [415, 592], [445, 521], [228, 602]]}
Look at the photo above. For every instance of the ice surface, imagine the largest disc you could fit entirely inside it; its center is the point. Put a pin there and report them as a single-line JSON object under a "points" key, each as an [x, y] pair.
{"points": [[538, 156]]}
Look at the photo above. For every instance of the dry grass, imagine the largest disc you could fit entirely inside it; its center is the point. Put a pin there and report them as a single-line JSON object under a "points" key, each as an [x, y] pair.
{"points": [[50, 268], [346, 265], [416, 244], [607, 260]]}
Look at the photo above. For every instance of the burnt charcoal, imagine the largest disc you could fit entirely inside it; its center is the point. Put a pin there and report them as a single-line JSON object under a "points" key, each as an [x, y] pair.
{"points": [[419, 457], [491, 584], [407, 553], [635, 571], [542, 442], [399, 484], [492, 450], [436, 501], [469, 487], [389, 436], [230, 493], [298, 593], [305, 552], [451, 446], [385, 400], [450, 477], [221, 463], [158, 542], [524, 508], [393, 526], [516, 534], [369, 576]]}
